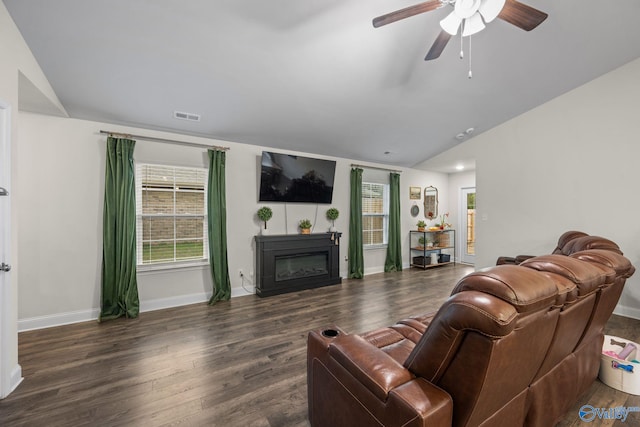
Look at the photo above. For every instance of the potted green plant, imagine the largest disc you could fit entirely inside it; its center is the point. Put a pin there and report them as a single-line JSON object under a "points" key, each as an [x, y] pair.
{"points": [[264, 214], [332, 215], [305, 226], [421, 225]]}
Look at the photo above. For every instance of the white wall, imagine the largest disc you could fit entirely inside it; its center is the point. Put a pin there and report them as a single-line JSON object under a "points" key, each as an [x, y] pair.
{"points": [[61, 167], [570, 164], [15, 57]]}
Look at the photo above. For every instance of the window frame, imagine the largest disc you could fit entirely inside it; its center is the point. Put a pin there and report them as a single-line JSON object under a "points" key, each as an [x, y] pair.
{"points": [[180, 263], [384, 215]]}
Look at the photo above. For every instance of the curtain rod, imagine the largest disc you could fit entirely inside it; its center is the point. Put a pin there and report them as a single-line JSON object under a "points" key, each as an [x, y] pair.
{"points": [[354, 165], [166, 141]]}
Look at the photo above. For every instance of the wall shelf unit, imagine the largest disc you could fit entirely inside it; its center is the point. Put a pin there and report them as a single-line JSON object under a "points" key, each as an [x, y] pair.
{"points": [[424, 243]]}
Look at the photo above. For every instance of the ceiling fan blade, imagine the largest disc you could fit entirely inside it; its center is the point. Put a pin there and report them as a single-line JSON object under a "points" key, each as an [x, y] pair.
{"points": [[406, 13], [521, 15], [438, 46]]}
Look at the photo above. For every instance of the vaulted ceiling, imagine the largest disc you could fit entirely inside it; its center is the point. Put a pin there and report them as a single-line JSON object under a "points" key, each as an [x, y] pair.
{"points": [[314, 75]]}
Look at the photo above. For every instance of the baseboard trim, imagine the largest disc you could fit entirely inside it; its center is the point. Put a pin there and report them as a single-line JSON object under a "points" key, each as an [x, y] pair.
{"points": [[68, 318], [405, 266], [376, 270], [239, 292], [49, 321], [177, 301], [631, 312]]}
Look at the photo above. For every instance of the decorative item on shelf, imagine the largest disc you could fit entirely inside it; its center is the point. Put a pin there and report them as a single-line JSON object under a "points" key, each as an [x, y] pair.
{"points": [[434, 258], [421, 243], [335, 238], [332, 215], [443, 239], [264, 214], [421, 225], [305, 226], [443, 224]]}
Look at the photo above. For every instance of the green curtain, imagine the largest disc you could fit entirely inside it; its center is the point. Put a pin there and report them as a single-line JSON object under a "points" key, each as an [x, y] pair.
{"points": [[217, 219], [394, 247], [119, 283], [356, 257]]}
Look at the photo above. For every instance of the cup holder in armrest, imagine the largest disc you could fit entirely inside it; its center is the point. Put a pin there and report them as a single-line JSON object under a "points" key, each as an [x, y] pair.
{"points": [[330, 333]]}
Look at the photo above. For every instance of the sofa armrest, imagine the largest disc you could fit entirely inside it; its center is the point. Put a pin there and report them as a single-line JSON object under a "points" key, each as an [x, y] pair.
{"points": [[433, 405], [351, 382], [372, 367]]}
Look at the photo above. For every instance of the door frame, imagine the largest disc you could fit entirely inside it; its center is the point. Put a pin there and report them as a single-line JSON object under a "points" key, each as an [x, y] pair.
{"points": [[10, 370], [464, 257]]}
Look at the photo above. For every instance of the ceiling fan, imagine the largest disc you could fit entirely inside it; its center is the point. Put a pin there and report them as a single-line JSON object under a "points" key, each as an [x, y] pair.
{"points": [[471, 15]]}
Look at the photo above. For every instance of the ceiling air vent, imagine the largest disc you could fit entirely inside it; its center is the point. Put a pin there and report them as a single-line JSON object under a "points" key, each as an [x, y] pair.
{"points": [[186, 116]]}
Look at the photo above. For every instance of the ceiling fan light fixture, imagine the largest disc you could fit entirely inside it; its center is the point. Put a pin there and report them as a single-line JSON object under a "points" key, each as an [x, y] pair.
{"points": [[490, 9], [451, 23], [473, 25], [465, 8]]}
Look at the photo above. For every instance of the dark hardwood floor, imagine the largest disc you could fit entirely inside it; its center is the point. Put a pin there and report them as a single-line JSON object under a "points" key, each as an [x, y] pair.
{"points": [[238, 363]]}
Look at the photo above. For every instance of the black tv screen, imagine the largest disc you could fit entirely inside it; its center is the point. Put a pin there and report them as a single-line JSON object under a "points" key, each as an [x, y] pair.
{"points": [[289, 178]]}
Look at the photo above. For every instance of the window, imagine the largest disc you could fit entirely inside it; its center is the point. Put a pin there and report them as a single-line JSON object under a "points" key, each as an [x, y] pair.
{"points": [[171, 220], [375, 213]]}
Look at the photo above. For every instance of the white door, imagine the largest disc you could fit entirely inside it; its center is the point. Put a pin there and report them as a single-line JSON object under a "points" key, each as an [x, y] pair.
{"points": [[10, 372], [468, 225]]}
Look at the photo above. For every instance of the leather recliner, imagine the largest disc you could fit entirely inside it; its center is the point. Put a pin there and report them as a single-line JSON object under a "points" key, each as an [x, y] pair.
{"points": [[513, 345]]}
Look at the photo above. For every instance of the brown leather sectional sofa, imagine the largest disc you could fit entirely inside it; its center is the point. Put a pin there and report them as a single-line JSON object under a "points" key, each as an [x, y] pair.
{"points": [[515, 344]]}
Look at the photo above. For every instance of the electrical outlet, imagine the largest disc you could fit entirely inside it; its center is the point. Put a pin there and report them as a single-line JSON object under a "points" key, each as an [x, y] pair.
{"points": [[241, 273]]}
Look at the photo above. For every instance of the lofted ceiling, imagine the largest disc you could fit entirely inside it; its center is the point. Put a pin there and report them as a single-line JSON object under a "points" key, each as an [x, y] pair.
{"points": [[314, 75]]}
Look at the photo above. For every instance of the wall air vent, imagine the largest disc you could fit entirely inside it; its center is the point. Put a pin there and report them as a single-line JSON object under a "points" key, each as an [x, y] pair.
{"points": [[186, 116]]}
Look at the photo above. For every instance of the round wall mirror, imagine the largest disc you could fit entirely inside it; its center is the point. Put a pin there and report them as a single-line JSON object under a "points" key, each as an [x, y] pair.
{"points": [[430, 202], [415, 210]]}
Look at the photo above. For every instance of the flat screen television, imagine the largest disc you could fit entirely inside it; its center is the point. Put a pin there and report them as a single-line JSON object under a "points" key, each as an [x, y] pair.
{"points": [[297, 179]]}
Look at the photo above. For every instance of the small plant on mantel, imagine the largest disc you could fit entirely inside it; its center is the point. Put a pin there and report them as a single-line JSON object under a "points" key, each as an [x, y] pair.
{"points": [[332, 215], [264, 214], [305, 226], [421, 225]]}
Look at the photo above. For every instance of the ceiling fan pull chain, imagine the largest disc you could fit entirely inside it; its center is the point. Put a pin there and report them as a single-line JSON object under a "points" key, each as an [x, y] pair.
{"points": [[461, 41], [470, 73]]}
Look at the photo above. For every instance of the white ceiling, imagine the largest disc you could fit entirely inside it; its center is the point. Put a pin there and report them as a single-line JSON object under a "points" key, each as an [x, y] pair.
{"points": [[314, 75]]}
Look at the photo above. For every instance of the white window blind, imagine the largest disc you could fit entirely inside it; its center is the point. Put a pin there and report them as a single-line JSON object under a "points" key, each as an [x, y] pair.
{"points": [[171, 215], [375, 213]]}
